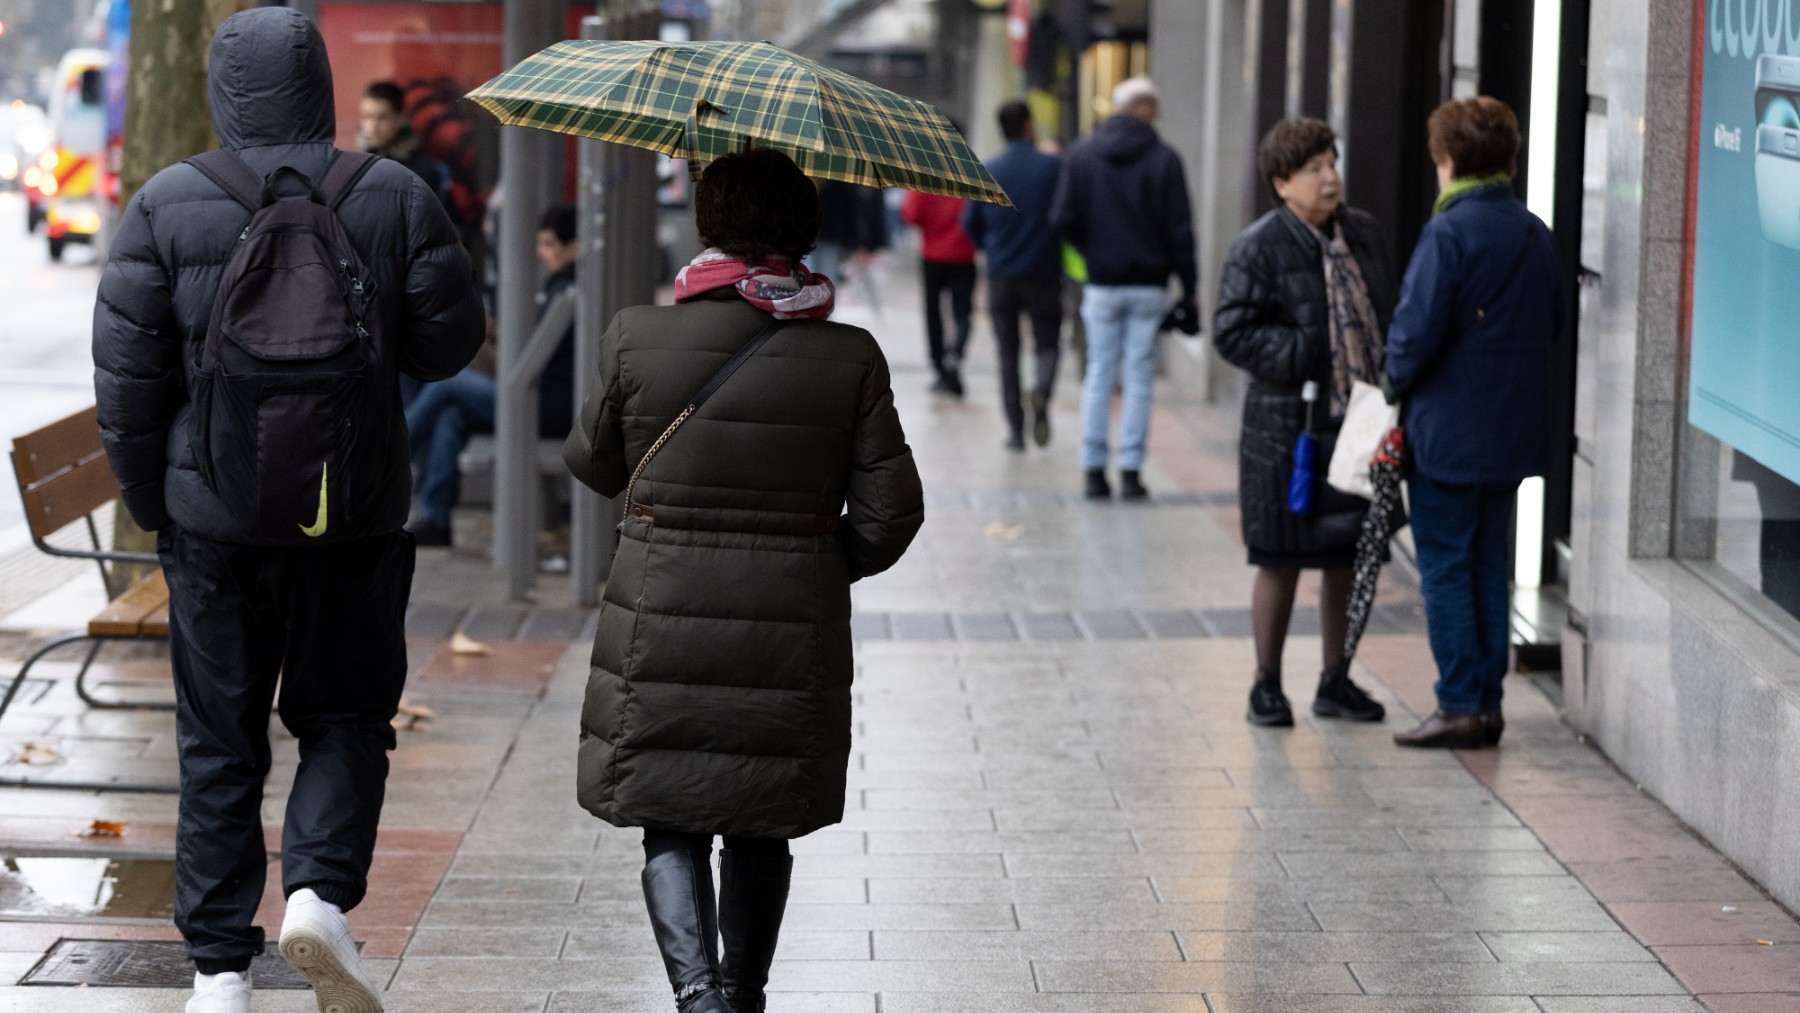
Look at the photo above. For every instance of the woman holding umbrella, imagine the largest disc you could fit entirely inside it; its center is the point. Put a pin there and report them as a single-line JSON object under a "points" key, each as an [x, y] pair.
{"points": [[719, 702], [1305, 298], [763, 469]]}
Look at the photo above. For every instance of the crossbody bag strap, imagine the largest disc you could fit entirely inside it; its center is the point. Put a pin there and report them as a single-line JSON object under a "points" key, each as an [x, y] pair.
{"points": [[712, 387]]}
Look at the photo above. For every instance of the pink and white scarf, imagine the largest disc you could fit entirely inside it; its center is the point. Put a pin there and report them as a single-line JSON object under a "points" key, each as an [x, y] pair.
{"points": [[784, 288]]}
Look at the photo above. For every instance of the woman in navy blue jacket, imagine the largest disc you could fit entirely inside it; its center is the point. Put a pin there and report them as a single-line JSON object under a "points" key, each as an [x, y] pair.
{"points": [[1469, 353]]}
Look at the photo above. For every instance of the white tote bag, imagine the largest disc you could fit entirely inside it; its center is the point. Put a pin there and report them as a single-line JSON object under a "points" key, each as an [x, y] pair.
{"points": [[1366, 423]]}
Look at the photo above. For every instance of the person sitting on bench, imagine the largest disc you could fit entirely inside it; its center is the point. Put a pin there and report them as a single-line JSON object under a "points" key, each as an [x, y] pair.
{"points": [[444, 415]]}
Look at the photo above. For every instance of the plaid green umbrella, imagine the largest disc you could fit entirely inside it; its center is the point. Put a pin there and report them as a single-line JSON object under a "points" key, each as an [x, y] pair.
{"points": [[700, 100]]}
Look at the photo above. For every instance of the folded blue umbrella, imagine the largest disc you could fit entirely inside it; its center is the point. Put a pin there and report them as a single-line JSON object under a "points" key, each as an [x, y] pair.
{"points": [[1306, 458]]}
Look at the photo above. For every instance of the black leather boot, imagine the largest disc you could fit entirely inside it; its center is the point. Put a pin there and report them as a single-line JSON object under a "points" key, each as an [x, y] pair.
{"points": [[753, 892], [678, 891], [1096, 487]]}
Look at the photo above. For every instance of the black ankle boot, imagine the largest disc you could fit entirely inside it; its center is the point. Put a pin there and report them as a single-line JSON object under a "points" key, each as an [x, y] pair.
{"points": [[1268, 704], [1338, 697], [753, 892], [1096, 484], [1131, 486], [678, 891]]}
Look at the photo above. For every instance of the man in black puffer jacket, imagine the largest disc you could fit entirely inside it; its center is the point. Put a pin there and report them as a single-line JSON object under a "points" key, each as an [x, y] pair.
{"points": [[327, 618]]}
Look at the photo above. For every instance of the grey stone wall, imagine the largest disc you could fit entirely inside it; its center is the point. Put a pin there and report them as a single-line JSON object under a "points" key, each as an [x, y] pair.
{"points": [[1673, 679]]}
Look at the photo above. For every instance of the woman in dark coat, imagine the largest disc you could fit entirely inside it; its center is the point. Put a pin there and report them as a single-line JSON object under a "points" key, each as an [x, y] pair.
{"points": [[1469, 352], [1305, 297], [719, 701]]}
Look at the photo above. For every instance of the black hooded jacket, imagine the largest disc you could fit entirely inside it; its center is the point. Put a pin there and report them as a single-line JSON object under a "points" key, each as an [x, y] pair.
{"points": [[269, 86], [1123, 202]]}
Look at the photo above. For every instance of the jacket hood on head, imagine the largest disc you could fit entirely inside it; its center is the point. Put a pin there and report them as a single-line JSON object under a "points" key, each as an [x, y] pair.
{"points": [[269, 82], [1123, 138]]}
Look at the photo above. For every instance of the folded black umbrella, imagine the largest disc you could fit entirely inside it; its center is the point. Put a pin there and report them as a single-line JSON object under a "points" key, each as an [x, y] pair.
{"points": [[1386, 517]]}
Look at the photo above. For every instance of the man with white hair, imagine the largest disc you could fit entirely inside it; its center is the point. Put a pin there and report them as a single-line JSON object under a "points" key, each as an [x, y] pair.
{"points": [[1123, 202]]}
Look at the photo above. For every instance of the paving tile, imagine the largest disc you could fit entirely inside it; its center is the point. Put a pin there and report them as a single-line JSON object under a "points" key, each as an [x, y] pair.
{"points": [[1334, 947], [647, 1001], [1752, 1002], [1620, 1004], [531, 941], [1559, 916], [1679, 923], [1666, 879], [1609, 979], [1567, 947], [890, 890], [1225, 1003], [1751, 968], [1147, 976], [1274, 915], [1026, 945]]}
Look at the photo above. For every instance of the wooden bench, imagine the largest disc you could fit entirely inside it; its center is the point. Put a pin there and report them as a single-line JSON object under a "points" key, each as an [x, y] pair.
{"points": [[64, 479]]}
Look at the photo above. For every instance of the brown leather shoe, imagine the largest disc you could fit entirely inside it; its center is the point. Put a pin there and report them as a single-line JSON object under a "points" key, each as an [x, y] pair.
{"points": [[1446, 731], [1493, 725]]}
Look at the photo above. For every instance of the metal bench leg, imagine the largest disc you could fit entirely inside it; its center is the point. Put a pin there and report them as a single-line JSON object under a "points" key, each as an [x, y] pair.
{"points": [[95, 702], [19, 679]]}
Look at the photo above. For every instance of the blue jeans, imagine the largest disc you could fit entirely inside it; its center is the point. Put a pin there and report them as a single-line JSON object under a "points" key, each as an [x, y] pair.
{"points": [[440, 421], [1122, 323], [1463, 536]]}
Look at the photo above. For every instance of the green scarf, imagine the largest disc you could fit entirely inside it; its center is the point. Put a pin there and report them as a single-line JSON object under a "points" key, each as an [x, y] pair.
{"points": [[1460, 188]]}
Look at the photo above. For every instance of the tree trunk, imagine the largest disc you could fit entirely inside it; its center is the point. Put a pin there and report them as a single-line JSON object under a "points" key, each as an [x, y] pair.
{"points": [[166, 120]]}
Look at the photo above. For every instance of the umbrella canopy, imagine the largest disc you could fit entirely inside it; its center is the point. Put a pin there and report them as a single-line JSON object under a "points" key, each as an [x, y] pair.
{"points": [[701, 100]]}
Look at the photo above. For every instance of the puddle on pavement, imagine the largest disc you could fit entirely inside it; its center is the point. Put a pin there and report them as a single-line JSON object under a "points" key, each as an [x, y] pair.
{"points": [[83, 888]]}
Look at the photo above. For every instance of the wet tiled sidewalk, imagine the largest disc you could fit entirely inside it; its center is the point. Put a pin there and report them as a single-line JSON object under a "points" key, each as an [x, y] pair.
{"points": [[1055, 803]]}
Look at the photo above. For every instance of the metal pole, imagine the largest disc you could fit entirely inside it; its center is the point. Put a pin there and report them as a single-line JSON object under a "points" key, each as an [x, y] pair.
{"points": [[515, 425], [590, 549]]}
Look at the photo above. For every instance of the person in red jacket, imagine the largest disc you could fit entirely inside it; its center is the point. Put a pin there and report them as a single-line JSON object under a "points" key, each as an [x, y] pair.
{"points": [[949, 265]]}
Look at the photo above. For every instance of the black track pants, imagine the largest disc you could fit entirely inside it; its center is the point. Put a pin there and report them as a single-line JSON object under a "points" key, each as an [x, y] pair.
{"points": [[329, 622]]}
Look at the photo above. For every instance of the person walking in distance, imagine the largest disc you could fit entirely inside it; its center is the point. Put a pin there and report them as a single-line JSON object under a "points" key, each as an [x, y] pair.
{"points": [[947, 265], [1305, 295], [250, 407], [383, 130], [1024, 268], [1122, 202], [1469, 356], [719, 699]]}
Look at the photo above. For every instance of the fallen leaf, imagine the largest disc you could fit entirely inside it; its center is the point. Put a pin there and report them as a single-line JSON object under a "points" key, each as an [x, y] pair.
{"points": [[102, 829], [37, 754], [462, 645], [1011, 534]]}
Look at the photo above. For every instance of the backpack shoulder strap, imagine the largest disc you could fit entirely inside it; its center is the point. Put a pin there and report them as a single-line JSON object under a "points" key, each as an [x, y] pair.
{"points": [[347, 170], [232, 175]]}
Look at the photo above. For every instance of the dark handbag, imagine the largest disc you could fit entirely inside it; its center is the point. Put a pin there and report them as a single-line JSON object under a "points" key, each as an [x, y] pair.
{"points": [[694, 404]]}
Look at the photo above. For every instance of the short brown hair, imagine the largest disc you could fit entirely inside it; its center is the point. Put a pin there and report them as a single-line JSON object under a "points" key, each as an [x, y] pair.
{"points": [[1480, 136], [1292, 143], [757, 204]]}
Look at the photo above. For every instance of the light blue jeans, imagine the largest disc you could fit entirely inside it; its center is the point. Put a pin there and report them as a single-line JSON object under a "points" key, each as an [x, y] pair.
{"points": [[1122, 324]]}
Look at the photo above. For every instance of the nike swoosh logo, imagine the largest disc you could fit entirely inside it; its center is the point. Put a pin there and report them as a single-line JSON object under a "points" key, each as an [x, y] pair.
{"points": [[319, 522]]}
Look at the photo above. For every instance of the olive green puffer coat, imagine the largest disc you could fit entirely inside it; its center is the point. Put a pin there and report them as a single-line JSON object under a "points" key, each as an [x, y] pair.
{"points": [[719, 700]]}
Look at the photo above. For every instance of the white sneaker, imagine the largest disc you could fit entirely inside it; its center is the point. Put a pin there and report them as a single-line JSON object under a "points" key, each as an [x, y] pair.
{"points": [[221, 993], [315, 938]]}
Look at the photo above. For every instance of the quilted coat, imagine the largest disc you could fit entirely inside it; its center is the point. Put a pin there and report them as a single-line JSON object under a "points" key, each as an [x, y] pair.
{"points": [[269, 87], [1273, 322], [719, 698]]}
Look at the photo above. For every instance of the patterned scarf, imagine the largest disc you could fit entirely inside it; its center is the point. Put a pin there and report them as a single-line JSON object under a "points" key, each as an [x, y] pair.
{"points": [[784, 288], [1357, 344]]}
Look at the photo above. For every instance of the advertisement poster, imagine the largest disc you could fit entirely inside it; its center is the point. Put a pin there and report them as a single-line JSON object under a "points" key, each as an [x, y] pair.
{"points": [[435, 52], [1744, 375]]}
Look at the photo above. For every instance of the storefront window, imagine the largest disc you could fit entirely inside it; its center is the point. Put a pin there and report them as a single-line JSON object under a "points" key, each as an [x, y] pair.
{"points": [[1740, 526], [1739, 502]]}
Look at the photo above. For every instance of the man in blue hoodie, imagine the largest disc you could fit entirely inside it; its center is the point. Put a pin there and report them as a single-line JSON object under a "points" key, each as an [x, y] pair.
{"points": [[1024, 266], [1123, 202]]}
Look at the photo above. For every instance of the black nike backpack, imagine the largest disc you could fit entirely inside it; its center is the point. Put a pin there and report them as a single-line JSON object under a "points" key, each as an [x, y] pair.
{"points": [[293, 399]]}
